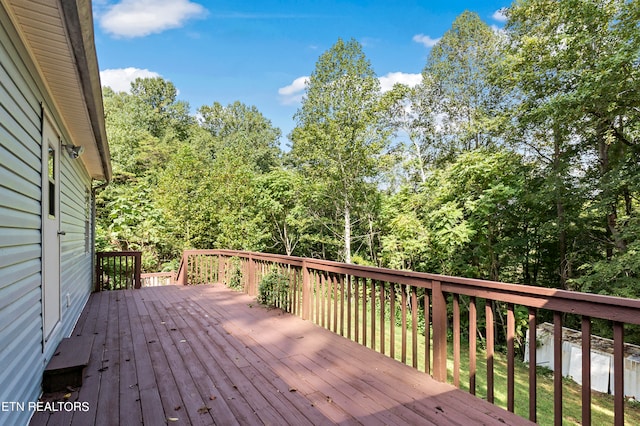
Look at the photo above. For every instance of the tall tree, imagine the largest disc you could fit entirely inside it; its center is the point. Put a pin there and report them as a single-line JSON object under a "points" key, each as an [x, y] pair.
{"points": [[338, 137], [574, 66], [411, 112], [243, 131], [281, 203], [144, 128], [159, 109], [460, 66]]}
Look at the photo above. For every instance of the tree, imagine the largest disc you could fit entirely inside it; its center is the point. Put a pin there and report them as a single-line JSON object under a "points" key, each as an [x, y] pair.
{"points": [[574, 68], [281, 201], [460, 67], [465, 220], [411, 112], [241, 130], [159, 110], [338, 137]]}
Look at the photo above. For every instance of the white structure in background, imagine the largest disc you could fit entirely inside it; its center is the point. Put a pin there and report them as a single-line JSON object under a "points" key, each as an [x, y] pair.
{"points": [[601, 359]]}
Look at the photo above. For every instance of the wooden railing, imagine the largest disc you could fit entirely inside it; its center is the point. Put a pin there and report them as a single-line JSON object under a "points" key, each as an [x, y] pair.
{"points": [[118, 270], [380, 308]]}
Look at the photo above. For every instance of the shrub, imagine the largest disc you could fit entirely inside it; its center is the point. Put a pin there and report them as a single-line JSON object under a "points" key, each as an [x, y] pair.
{"points": [[274, 290], [234, 274]]}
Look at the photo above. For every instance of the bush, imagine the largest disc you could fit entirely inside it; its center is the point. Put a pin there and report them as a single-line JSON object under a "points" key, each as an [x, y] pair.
{"points": [[274, 290], [234, 274]]}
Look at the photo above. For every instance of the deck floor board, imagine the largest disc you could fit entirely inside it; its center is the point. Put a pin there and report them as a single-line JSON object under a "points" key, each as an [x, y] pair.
{"points": [[207, 355]]}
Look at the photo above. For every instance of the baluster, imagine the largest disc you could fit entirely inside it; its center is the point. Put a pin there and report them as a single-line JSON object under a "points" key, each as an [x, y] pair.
{"points": [[456, 340], [557, 368], [392, 321], [349, 297], [334, 283], [323, 298], [373, 314], [511, 331], [382, 307], [533, 388], [364, 311], [356, 291], [316, 291], [586, 370], [342, 295], [414, 326], [329, 300], [427, 333], [473, 323], [404, 324], [490, 347]]}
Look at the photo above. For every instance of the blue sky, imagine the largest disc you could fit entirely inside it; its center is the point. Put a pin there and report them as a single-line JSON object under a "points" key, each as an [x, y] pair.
{"points": [[259, 52]]}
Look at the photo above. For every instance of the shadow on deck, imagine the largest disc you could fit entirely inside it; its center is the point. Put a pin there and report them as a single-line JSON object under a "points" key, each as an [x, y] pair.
{"points": [[209, 355]]}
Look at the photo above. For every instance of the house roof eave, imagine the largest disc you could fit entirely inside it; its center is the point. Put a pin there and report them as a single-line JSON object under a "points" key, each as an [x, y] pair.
{"points": [[59, 36]]}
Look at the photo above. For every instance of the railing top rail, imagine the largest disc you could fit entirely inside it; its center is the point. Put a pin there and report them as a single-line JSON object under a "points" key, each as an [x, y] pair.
{"points": [[595, 305]]}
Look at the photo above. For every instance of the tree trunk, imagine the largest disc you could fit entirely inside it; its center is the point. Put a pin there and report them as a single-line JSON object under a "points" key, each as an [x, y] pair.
{"points": [[423, 174], [562, 232], [347, 232], [612, 215]]}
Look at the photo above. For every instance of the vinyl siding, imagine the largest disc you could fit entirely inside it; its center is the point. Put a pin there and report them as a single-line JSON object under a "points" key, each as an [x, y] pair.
{"points": [[20, 250], [22, 359], [76, 277]]}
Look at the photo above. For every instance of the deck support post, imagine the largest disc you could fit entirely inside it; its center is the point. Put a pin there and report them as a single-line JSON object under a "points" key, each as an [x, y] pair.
{"points": [[439, 318]]}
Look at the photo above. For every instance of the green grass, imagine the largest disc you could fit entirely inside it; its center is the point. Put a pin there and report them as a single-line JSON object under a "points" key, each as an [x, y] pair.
{"points": [[602, 412]]}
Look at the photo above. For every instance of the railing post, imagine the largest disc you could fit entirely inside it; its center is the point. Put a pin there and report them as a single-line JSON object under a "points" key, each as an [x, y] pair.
{"points": [[98, 283], [306, 291], [137, 270], [185, 269], [251, 279], [220, 269], [618, 373], [439, 318]]}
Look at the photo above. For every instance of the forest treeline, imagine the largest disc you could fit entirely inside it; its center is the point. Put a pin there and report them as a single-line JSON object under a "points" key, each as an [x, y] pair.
{"points": [[516, 159]]}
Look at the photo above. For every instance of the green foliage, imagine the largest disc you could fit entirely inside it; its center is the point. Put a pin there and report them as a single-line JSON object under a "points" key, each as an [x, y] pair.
{"points": [[459, 69], [129, 223], [515, 159], [273, 290], [464, 220], [281, 204], [234, 274], [339, 139], [243, 132]]}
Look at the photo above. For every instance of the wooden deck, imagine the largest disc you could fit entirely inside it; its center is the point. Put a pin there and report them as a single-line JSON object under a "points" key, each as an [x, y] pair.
{"points": [[205, 355]]}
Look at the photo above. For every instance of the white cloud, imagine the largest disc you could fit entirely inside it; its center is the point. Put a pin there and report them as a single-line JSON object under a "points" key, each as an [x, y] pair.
{"points": [[139, 18], [292, 94], [120, 79], [425, 40], [500, 15], [387, 81]]}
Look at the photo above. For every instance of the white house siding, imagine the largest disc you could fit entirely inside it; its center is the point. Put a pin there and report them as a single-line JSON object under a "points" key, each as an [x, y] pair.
{"points": [[22, 359], [76, 276]]}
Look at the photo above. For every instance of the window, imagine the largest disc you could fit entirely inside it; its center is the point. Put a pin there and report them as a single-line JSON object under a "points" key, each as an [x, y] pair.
{"points": [[52, 181]]}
